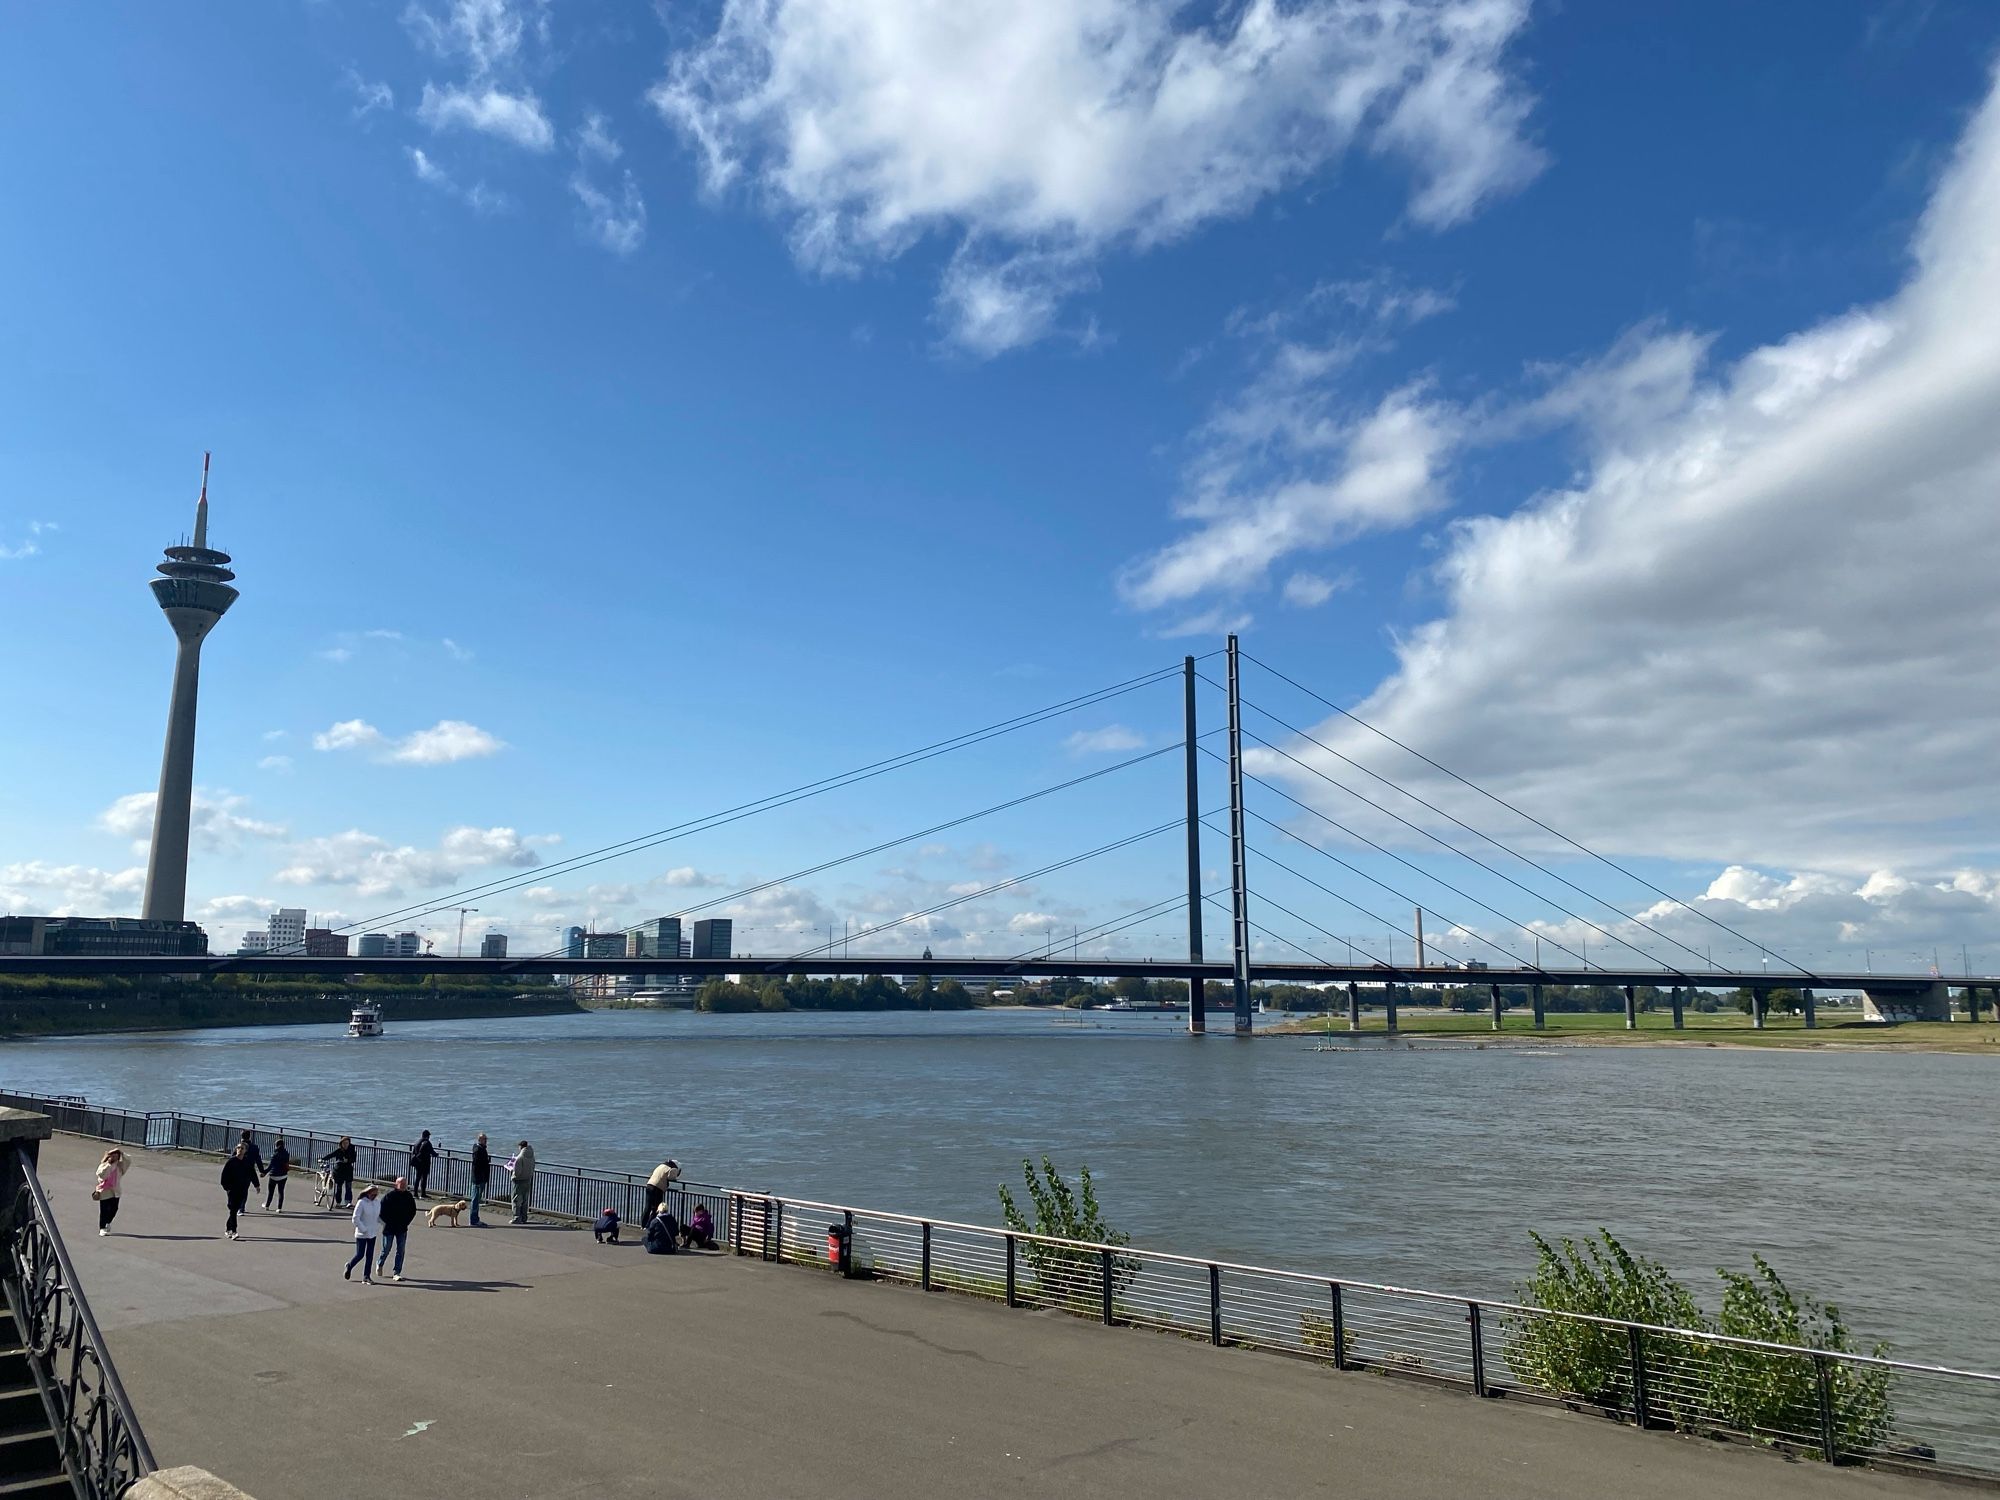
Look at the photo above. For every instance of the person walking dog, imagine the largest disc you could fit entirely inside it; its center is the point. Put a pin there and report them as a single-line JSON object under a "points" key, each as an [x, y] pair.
{"points": [[523, 1168], [279, 1174], [239, 1180], [482, 1175], [367, 1225], [399, 1212], [110, 1174], [421, 1156]]}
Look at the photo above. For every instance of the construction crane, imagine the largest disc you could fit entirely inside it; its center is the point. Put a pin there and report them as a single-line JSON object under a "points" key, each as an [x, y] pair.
{"points": [[463, 913]]}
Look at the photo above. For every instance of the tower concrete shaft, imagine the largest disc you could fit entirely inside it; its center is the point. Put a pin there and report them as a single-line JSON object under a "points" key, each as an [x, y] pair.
{"points": [[193, 594]]}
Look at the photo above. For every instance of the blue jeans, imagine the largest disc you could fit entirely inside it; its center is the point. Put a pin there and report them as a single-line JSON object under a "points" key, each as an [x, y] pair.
{"points": [[400, 1240], [363, 1250], [478, 1193]]}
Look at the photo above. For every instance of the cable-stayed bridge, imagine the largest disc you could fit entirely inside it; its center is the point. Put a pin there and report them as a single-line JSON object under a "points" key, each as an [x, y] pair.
{"points": [[1363, 827]]}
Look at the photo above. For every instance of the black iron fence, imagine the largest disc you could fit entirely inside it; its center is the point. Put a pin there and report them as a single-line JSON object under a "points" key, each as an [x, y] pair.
{"points": [[95, 1428], [559, 1190], [1822, 1403]]}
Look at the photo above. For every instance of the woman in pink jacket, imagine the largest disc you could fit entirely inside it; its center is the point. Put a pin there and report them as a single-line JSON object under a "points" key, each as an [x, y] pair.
{"points": [[110, 1173]]}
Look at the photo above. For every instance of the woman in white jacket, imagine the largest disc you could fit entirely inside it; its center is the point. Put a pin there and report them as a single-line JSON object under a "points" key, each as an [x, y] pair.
{"points": [[367, 1225]]}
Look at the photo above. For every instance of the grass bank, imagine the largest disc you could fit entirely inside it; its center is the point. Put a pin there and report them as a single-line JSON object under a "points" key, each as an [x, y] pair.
{"points": [[1656, 1028]]}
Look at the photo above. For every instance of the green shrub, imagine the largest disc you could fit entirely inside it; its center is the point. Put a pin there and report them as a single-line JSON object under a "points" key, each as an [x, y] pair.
{"points": [[1754, 1391], [1073, 1277]]}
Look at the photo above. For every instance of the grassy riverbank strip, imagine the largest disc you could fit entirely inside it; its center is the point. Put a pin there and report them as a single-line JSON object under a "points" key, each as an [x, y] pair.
{"points": [[1655, 1029]]}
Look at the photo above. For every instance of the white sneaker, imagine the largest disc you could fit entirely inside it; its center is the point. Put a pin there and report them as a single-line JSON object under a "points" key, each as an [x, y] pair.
{"points": [[398, 1276], [102, 1233]]}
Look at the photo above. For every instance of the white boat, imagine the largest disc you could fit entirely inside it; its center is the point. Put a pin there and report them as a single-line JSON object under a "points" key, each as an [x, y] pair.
{"points": [[365, 1019]]}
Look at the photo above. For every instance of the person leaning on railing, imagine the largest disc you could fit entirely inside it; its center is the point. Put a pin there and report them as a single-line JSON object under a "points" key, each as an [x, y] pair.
{"points": [[664, 1176]]}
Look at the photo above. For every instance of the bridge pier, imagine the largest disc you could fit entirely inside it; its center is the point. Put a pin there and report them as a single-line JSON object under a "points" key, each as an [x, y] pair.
{"points": [[1540, 1013], [1972, 1003], [1921, 1000], [1390, 990], [1496, 1005], [1757, 1007], [1810, 1005], [1680, 1014], [1631, 1008], [1353, 1006]]}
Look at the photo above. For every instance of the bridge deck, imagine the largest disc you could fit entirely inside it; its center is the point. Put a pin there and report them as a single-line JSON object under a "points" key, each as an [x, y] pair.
{"points": [[519, 1362]]}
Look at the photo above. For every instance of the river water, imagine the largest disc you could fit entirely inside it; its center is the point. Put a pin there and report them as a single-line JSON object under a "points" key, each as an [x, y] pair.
{"points": [[1865, 1177]]}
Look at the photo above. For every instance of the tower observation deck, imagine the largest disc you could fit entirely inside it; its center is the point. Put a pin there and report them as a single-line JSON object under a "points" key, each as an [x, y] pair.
{"points": [[194, 592]]}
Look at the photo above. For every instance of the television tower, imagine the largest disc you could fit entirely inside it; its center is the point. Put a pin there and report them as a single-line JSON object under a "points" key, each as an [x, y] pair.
{"points": [[195, 593]]}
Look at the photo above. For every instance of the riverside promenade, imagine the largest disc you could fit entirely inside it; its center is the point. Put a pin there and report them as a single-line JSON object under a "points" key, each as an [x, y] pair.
{"points": [[517, 1362]]}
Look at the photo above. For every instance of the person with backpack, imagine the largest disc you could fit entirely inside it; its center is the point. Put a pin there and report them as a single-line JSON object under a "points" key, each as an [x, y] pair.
{"points": [[277, 1176], [421, 1156], [482, 1175]]}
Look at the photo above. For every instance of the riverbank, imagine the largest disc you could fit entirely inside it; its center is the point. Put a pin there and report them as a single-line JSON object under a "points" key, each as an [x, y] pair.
{"points": [[1707, 1029]]}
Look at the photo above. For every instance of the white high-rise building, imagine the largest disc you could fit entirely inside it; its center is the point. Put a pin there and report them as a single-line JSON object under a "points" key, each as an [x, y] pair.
{"points": [[255, 942], [287, 931]]}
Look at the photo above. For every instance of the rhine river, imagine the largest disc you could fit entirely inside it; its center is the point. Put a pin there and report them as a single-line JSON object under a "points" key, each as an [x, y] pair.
{"points": [[1865, 1177]]}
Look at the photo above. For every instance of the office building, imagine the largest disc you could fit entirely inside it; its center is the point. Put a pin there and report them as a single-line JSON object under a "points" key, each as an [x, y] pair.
{"points": [[100, 937], [712, 936], [371, 945], [255, 942], [573, 943], [323, 942], [603, 945], [194, 593], [493, 945], [287, 928]]}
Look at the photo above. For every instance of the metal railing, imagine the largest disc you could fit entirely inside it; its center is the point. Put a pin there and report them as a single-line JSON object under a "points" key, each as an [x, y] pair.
{"points": [[559, 1190], [1823, 1403], [96, 1430]]}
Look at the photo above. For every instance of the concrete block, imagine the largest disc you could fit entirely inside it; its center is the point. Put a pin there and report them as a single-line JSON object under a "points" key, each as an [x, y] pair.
{"points": [[184, 1483]]}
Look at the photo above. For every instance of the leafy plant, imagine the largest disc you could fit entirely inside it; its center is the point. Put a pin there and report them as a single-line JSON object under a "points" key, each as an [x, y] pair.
{"points": [[1757, 1391], [1073, 1276], [1587, 1361], [1316, 1335]]}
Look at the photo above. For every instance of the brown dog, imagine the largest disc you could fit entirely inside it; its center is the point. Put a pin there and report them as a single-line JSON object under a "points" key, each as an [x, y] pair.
{"points": [[449, 1211]]}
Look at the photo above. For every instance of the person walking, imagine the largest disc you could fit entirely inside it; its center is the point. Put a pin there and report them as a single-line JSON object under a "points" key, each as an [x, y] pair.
{"points": [[399, 1212], [665, 1175], [421, 1156], [343, 1157], [239, 1180], [367, 1225], [482, 1175], [256, 1156], [110, 1174], [279, 1174], [523, 1168]]}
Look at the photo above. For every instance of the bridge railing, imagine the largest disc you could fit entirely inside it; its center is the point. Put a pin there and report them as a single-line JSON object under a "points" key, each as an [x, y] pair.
{"points": [[1822, 1403], [560, 1189], [96, 1430]]}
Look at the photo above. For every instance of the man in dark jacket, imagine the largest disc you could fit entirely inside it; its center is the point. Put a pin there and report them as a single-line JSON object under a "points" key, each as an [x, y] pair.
{"points": [[399, 1212], [238, 1178], [482, 1173], [279, 1175], [254, 1154], [421, 1156]]}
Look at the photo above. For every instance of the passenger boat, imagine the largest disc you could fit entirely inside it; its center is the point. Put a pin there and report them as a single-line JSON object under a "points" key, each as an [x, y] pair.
{"points": [[365, 1019]]}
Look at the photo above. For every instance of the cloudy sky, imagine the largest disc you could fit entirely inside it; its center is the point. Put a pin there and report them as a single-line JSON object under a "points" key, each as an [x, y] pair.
{"points": [[622, 414]]}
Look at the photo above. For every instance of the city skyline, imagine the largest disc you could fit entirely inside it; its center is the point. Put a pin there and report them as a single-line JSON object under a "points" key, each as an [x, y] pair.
{"points": [[1634, 470]]}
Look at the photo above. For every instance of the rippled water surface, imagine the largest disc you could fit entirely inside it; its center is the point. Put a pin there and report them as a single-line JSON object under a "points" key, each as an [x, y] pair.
{"points": [[1867, 1177]]}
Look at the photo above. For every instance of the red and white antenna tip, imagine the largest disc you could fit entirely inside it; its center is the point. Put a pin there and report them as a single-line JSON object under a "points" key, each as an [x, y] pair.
{"points": [[204, 476]]}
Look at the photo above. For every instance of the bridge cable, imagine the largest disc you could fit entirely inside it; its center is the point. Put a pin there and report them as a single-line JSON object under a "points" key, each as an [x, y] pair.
{"points": [[1279, 937], [709, 821], [1403, 895], [1157, 908], [801, 874], [1518, 812]]}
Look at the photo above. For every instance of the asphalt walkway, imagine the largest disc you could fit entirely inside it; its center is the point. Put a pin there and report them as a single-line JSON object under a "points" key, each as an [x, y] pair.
{"points": [[534, 1362]]}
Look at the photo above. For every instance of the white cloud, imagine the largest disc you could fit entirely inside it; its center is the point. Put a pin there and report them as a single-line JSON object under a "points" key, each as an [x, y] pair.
{"points": [[688, 876], [1207, 622], [1309, 590], [596, 139], [272, 736], [1757, 626], [618, 224], [1041, 132], [216, 823], [493, 111], [1111, 738], [368, 97], [455, 651], [485, 35], [444, 742], [376, 867], [30, 547], [275, 763], [340, 654], [37, 888]]}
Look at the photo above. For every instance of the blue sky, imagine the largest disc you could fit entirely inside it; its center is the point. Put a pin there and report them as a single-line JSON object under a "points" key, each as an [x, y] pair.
{"points": [[677, 406]]}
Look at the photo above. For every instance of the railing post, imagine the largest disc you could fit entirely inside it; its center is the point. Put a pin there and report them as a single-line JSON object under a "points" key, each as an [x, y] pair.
{"points": [[1636, 1345], [1215, 1305], [927, 1257], [1829, 1445], [736, 1222], [1010, 1272], [1104, 1283], [847, 1247], [1339, 1330], [1478, 1350]]}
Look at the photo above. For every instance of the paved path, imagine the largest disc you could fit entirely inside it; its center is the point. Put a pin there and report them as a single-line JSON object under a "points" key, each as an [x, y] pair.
{"points": [[534, 1362]]}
